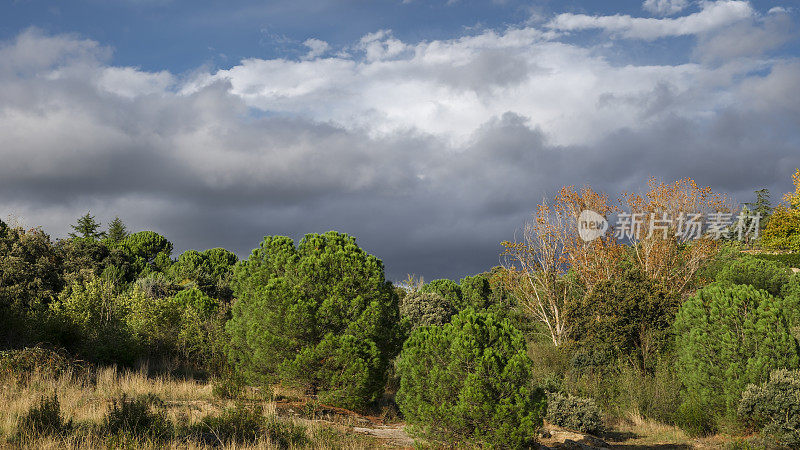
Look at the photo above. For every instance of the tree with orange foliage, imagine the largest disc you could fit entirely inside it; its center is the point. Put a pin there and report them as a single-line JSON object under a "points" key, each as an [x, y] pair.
{"points": [[670, 246], [793, 198], [549, 263], [782, 232], [536, 264]]}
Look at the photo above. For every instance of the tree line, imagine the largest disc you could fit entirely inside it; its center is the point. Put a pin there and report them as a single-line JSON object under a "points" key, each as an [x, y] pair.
{"points": [[701, 334]]}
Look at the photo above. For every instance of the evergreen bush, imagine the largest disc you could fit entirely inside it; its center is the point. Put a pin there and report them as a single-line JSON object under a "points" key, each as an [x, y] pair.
{"points": [[320, 316], [729, 336], [774, 407], [469, 381], [576, 413]]}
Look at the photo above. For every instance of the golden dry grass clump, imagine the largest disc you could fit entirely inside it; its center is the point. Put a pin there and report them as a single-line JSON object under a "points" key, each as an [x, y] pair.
{"points": [[196, 418]]}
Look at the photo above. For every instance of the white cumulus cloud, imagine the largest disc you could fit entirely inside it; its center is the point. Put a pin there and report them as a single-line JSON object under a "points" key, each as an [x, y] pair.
{"points": [[713, 16], [665, 7], [316, 48]]}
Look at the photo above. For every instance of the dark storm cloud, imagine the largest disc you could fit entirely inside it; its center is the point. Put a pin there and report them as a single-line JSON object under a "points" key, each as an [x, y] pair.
{"points": [[284, 147]]}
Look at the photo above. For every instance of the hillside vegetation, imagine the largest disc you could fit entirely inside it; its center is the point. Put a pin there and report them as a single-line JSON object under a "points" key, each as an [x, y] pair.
{"points": [[110, 340]]}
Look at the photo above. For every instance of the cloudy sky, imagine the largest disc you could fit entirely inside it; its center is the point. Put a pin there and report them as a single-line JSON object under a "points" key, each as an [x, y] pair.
{"points": [[427, 129]]}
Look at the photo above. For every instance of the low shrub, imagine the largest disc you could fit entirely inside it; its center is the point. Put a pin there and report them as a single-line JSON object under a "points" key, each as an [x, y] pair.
{"points": [[623, 389], [576, 413], [285, 434], [227, 387], [44, 419], [651, 394], [727, 251], [143, 416], [236, 425], [551, 365], [242, 425], [774, 407], [587, 360]]}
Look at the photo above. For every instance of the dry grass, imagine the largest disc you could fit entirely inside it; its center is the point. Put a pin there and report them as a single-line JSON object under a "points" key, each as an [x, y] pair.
{"points": [[651, 432], [638, 432], [85, 400], [75, 442]]}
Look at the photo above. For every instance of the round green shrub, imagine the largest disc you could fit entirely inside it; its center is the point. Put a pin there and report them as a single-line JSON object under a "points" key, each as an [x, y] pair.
{"points": [[694, 417], [426, 308], [787, 259], [576, 413], [774, 407], [729, 336], [22, 364], [320, 316], [468, 382]]}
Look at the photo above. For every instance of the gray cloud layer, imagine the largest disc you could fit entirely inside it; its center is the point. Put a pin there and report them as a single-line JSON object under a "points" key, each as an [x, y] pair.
{"points": [[429, 153]]}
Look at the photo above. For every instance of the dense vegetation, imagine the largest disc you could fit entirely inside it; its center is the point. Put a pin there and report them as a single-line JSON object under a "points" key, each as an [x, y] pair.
{"points": [[700, 334]]}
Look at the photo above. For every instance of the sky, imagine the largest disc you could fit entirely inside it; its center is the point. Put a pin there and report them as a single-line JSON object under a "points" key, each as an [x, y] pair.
{"points": [[429, 130]]}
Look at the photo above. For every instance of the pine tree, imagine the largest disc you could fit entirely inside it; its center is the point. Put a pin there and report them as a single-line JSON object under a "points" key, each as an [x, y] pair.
{"points": [[117, 231], [319, 315], [87, 228], [469, 382], [729, 336], [762, 206]]}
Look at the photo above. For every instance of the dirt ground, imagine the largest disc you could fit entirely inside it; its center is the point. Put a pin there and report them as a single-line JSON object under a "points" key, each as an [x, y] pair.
{"points": [[633, 435]]}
